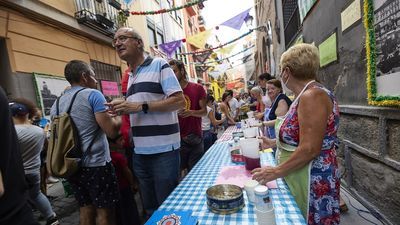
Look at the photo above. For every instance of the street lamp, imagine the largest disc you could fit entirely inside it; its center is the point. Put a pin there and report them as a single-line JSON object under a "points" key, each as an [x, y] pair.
{"points": [[248, 20]]}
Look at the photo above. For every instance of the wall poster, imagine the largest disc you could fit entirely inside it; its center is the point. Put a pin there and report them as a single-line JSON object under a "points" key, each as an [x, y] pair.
{"points": [[109, 88], [48, 89], [328, 50], [351, 14], [382, 24]]}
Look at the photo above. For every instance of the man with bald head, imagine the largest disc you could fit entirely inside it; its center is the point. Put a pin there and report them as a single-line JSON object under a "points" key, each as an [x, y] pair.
{"points": [[152, 100]]}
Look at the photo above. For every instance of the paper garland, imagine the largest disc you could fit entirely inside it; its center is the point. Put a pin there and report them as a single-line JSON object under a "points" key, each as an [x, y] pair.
{"points": [[189, 4], [373, 98]]}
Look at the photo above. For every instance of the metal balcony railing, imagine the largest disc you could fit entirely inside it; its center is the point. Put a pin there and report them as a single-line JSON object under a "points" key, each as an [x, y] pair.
{"points": [[100, 15]]}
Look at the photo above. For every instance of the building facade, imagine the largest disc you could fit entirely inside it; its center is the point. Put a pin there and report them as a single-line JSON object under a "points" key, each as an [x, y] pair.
{"points": [[268, 42], [40, 37], [369, 149], [159, 28], [194, 23]]}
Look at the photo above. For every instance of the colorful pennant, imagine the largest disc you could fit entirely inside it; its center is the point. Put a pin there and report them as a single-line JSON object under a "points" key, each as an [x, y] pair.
{"points": [[220, 60], [237, 21], [199, 40], [227, 50], [201, 58], [222, 45], [170, 47]]}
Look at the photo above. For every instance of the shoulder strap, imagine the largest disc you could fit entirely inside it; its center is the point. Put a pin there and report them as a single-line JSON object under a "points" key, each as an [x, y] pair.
{"points": [[97, 132], [72, 100], [58, 106]]}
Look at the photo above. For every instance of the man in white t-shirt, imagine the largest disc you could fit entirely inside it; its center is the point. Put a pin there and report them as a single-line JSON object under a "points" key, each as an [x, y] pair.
{"points": [[234, 105], [262, 83]]}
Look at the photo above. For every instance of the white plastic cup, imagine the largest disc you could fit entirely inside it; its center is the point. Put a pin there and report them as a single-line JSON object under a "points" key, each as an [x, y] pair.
{"points": [[265, 217], [249, 188], [262, 198], [250, 114]]}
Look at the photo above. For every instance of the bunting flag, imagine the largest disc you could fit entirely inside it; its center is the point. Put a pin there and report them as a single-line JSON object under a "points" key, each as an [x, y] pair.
{"points": [[227, 50], [201, 58], [220, 60], [199, 39], [237, 21], [170, 47], [221, 45], [202, 68]]}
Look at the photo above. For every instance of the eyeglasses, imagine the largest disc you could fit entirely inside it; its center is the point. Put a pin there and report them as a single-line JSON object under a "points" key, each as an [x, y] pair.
{"points": [[122, 39]]}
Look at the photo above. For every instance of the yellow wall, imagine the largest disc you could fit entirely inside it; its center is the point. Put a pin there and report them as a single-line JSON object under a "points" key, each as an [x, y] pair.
{"points": [[37, 47], [139, 23], [65, 6]]}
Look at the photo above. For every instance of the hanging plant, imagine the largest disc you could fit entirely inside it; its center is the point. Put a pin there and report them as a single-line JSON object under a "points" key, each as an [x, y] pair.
{"points": [[122, 17]]}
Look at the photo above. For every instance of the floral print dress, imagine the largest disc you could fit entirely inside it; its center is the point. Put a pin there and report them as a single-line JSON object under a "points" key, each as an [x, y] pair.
{"points": [[324, 187]]}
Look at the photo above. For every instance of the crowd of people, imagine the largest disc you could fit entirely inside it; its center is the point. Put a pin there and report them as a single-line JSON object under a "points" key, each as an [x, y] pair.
{"points": [[148, 140]]}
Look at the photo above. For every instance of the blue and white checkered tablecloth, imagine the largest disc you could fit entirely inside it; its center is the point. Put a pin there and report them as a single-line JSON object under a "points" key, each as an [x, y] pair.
{"points": [[190, 194]]}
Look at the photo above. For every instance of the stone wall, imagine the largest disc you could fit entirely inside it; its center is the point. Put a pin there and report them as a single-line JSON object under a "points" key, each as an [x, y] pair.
{"points": [[369, 157]]}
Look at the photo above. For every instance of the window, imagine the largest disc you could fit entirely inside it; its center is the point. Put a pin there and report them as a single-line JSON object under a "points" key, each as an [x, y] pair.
{"points": [[291, 20], [107, 72], [160, 38], [152, 36], [155, 38]]}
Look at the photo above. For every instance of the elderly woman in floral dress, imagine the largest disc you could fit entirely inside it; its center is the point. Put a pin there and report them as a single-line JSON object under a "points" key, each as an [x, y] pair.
{"points": [[306, 139]]}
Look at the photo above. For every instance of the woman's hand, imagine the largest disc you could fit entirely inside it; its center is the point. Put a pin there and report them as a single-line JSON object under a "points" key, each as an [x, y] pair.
{"points": [[267, 142], [265, 174]]}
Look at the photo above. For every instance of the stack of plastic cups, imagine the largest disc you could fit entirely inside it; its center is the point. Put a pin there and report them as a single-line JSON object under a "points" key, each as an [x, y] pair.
{"points": [[264, 209], [249, 188]]}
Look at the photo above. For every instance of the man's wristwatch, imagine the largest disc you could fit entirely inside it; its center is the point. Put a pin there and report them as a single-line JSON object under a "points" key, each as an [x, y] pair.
{"points": [[145, 107]]}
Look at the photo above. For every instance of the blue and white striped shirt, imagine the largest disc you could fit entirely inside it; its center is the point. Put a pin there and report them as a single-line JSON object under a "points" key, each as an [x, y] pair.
{"points": [[154, 132]]}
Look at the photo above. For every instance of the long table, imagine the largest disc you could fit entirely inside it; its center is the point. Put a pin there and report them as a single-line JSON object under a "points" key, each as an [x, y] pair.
{"points": [[190, 193]]}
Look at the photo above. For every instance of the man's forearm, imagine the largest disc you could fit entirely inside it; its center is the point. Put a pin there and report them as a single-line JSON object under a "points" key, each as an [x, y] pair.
{"points": [[199, 113], [172, 103]]}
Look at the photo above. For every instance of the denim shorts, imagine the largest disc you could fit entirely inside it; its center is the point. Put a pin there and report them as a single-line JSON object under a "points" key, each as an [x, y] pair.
{"points": [[96, 186]]}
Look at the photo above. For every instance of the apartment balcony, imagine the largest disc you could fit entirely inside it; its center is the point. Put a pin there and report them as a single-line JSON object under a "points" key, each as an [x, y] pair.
{"points": [[100, 15], [191, 10]]}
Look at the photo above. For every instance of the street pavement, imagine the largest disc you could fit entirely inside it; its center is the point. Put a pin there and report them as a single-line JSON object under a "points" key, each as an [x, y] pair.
{"points": [[67, 208]]}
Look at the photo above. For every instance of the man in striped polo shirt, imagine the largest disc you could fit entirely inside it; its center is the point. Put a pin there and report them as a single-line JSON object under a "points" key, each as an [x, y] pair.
{"points": [[153, 98]]}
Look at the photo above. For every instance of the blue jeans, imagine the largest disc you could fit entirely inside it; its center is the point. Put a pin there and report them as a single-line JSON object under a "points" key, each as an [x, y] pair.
{"points": [[209, 138], [158, 175], [37, 197]]}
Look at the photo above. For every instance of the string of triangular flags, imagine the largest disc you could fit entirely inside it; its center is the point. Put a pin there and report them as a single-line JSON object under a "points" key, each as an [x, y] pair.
{"points": [[170, 47], [199, 40], [220, 60]]}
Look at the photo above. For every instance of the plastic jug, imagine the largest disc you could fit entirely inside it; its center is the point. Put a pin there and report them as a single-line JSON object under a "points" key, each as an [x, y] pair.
{"points": [[250, 149], [250, 132]]}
